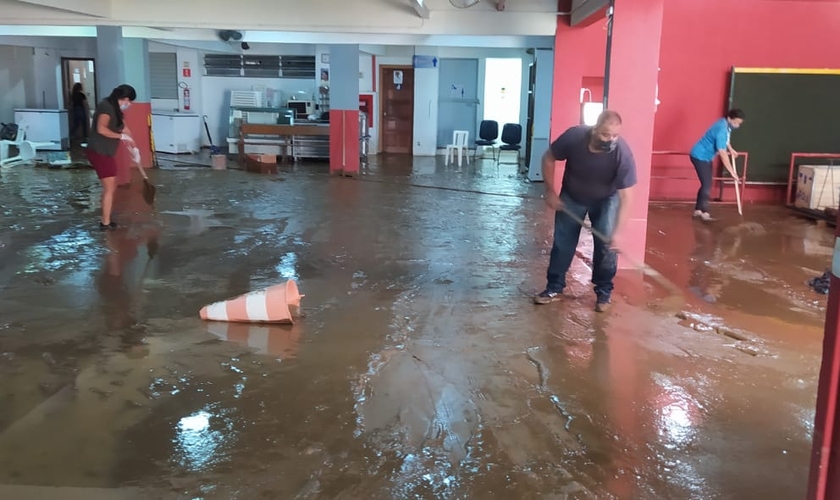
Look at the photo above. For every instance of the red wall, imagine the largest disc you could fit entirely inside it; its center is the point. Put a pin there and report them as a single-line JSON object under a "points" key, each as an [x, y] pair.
{"points": [[701, 41]]}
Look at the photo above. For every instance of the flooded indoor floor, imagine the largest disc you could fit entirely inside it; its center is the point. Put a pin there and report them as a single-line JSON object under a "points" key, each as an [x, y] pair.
{"points": [[421, 368]]}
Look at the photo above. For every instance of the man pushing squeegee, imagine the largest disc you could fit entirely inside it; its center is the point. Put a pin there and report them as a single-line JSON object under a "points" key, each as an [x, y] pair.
{"points": [[598, 181]]}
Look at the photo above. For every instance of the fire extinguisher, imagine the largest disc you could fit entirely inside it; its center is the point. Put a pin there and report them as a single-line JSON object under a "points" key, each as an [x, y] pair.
{"points": [[184, 86]]}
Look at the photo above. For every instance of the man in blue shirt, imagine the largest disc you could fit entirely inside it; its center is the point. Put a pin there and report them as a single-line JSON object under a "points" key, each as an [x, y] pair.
{"points": [[715, 142], [598, 180]]}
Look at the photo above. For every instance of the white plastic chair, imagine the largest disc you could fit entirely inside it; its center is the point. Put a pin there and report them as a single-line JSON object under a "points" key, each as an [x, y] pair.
{"points": [[27, 150], [26, 153], [22, 156], [460, 139]]}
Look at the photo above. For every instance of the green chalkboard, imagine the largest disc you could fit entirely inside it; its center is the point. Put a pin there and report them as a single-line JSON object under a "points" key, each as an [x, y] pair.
{"points": [[787, 111]]}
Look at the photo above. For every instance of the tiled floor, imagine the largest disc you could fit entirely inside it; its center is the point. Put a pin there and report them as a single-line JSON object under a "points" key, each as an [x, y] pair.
{"points": [[421, 368]]}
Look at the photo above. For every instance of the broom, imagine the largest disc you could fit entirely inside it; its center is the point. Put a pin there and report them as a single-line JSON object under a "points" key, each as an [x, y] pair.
{"points": [[737, 184], [149, 189], [152, 144], [676, 292]]}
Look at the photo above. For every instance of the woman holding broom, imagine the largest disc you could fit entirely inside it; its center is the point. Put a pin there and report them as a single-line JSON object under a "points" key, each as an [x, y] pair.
{"points": [[108, 131]]}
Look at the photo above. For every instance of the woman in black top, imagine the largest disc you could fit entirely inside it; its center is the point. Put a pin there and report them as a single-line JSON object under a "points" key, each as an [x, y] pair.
{"points": [[80, 111], [108, 131]]}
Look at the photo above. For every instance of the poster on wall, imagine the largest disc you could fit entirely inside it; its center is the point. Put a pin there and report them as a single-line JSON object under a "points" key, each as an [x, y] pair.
{"points": [[457, 90]]}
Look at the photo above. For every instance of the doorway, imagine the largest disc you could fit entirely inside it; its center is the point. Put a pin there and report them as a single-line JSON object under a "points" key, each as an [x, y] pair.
{"points": [[79, 71], [397, 104], [503, 90], [457, 99], [529, 128]]}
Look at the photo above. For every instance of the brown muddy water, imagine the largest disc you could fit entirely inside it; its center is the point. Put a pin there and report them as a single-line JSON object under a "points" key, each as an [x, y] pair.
{"points": [[420, 369]]}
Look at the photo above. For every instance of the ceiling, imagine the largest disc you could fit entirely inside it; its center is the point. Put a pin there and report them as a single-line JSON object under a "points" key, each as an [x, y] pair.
{"points": [[403, 17]]}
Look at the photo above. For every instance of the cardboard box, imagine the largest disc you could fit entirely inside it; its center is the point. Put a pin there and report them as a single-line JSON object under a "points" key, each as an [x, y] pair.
{"points": [[263, 158], [219, 162], [818, 186]]}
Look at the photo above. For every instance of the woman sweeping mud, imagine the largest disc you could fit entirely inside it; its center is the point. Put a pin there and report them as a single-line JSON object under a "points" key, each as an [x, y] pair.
{"points": [[105, 136]]}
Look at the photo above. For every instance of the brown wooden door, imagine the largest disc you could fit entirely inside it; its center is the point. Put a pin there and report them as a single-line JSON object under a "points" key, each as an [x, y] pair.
{"points": [[397, 109]]}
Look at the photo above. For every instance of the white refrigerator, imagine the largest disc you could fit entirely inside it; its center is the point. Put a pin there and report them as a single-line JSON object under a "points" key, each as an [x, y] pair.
{"points": [[49, 128], [176, 132]]}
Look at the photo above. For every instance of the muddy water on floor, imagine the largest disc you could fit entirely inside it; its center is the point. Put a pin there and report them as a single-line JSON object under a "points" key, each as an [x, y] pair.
{"points": [[420, 369]]}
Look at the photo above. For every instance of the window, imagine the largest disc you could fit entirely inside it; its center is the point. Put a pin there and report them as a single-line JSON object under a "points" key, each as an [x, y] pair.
{"points": [[163, 75], [259, 66]]}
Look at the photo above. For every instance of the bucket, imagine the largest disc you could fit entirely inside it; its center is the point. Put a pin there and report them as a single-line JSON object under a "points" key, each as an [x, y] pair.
{"points": [[219, 162], [270, 305]]}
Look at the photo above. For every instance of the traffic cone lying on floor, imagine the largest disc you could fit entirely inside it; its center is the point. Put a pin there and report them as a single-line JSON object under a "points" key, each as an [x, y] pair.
{"points": [[270, 305]]}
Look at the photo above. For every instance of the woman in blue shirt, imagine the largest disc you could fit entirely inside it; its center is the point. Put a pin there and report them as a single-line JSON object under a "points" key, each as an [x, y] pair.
{"points": [[715, 142]]}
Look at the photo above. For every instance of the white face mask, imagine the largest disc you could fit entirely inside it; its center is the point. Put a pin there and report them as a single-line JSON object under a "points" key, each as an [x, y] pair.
{"points": [[124, 107]]}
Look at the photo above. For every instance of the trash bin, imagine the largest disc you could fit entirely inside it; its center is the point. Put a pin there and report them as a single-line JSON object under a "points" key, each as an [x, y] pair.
{"points": [[219, 162]]}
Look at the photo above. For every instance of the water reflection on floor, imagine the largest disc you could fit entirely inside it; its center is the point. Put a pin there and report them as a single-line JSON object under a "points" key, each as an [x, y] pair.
{"points": [[420, 369]]}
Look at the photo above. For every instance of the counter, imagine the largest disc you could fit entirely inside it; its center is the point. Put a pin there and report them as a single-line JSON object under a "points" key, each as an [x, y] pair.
{"points": [[297, 141]]}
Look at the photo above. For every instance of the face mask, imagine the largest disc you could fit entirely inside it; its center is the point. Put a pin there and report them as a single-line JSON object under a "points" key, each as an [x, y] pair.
{"points": [[124, 107], [605, 146], [734, 126]]}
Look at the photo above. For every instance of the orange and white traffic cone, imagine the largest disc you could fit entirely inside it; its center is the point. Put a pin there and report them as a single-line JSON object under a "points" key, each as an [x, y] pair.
{"points": [[270, 305]]}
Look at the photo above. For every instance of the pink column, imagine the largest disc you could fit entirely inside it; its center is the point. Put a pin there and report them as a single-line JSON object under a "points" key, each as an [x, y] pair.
{"points": [[344, 109], [344, 142], [637, 30], [824, 481], [137, 120]]}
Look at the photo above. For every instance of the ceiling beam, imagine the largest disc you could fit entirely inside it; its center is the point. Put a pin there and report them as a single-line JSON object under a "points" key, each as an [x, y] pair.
{"points": [[93, 8], [420, 8]]}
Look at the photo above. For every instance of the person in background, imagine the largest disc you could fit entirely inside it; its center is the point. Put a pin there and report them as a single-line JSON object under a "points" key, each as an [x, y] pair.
{"points": [[105, 136], [80, 112], [599, 179], [715, 142]]}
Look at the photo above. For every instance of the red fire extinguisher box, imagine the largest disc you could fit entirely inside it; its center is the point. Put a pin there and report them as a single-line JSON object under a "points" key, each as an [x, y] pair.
{"points": [[185, 96], [366, 107]]}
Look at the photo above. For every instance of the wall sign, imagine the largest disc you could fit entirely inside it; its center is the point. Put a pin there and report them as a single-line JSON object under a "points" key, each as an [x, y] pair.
{"points": [[457, 90], [425, 62]]}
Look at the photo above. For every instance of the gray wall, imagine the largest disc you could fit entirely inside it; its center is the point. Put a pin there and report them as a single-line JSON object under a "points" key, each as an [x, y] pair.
{"points": [[17, 80]]}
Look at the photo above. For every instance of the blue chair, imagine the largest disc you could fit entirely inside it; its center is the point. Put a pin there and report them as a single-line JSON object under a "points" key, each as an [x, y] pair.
{"points": [[511, 141], [488, 132]]}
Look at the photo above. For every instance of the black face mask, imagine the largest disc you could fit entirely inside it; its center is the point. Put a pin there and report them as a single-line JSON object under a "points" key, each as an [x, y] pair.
{"points": [[605, 146]]}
